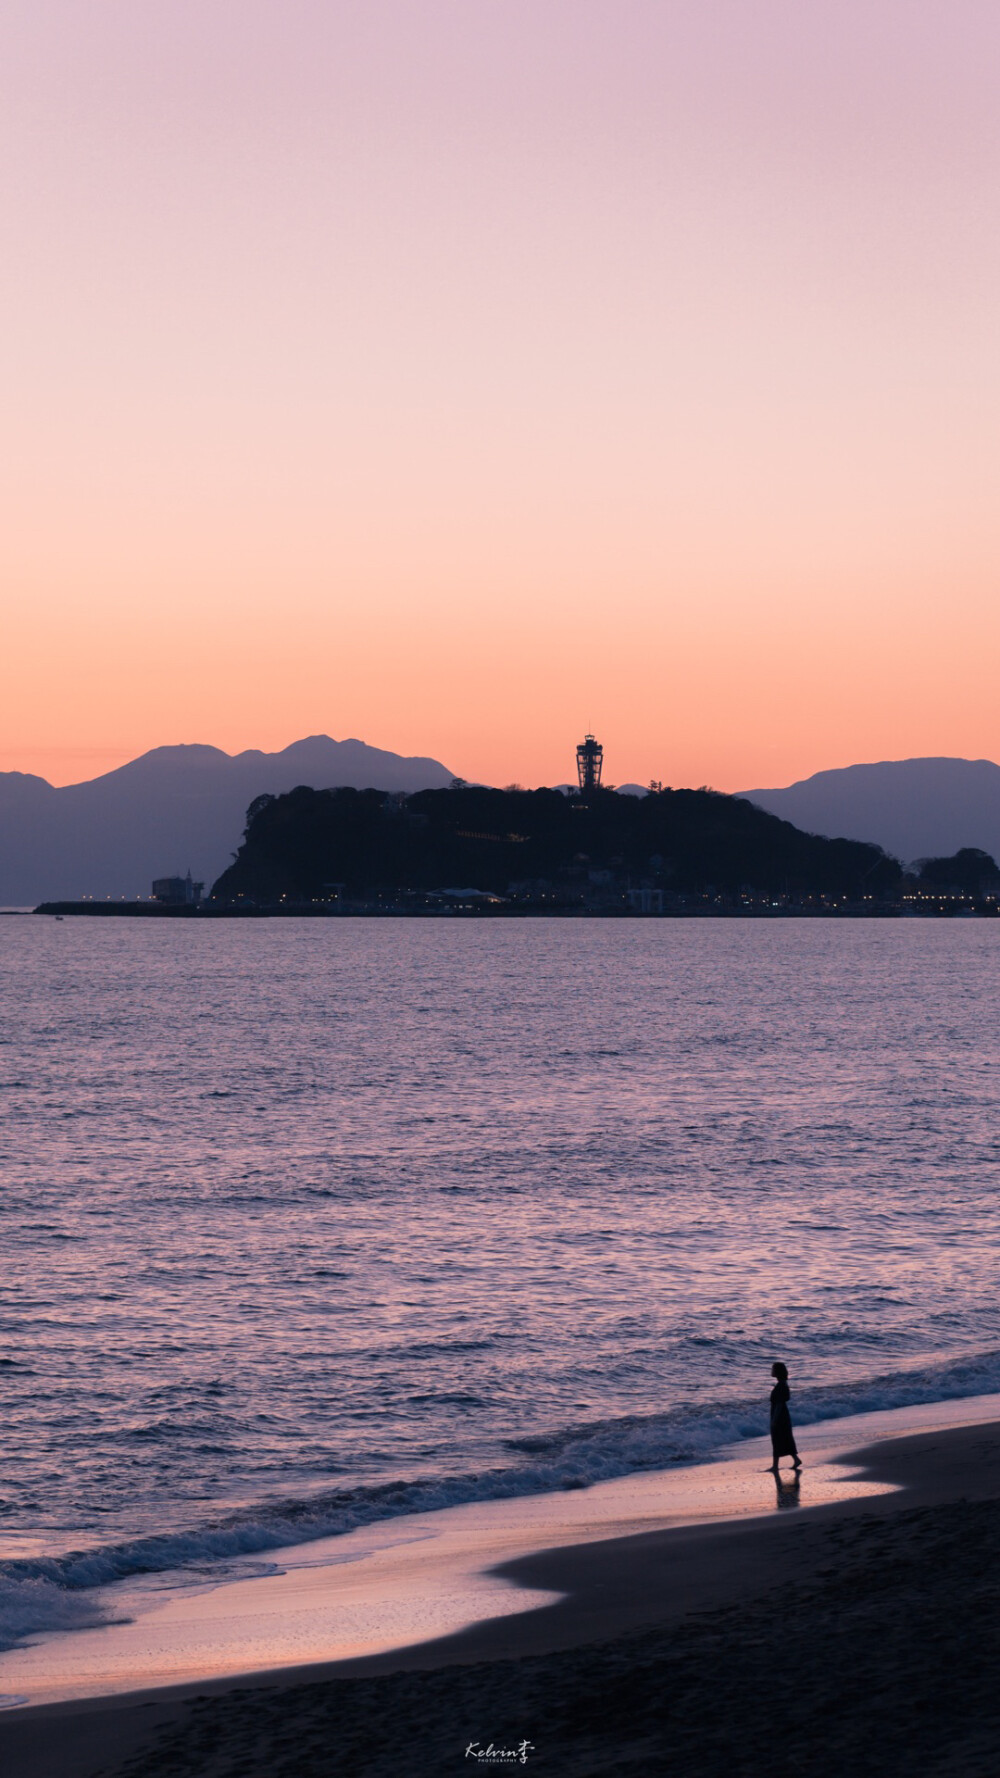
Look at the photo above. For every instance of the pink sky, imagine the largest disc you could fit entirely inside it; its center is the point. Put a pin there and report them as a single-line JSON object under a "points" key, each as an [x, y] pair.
{"points": [[459, 374]]}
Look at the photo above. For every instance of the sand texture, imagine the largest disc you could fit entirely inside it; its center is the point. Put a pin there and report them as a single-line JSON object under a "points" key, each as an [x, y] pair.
{"points": [[864, 1640], [888, 1663]]}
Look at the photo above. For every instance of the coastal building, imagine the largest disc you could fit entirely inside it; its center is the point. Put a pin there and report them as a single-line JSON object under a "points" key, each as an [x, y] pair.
{"points": [[177, 892], [646, 901]]}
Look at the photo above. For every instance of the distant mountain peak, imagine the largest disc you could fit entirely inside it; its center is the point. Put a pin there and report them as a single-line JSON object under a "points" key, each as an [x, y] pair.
{"points": [[175, 805], [916, 808]]}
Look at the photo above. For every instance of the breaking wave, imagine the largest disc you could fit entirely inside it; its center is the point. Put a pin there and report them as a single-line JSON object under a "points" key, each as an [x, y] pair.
{"points": [[52, 1593]]}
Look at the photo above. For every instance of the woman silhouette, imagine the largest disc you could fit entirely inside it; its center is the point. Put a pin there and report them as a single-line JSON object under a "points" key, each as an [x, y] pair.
{"points": [[782, 1437]]}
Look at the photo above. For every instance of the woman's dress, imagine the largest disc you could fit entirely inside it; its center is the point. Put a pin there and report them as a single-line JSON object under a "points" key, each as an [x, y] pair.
{"points": [[782, 1439]]}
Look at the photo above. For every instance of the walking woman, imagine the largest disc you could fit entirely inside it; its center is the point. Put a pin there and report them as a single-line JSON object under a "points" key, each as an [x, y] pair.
{"points": [[782, 1436]]}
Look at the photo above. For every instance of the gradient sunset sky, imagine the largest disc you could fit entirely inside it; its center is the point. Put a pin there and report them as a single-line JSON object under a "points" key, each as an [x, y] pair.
{"points": [[459, 374]]}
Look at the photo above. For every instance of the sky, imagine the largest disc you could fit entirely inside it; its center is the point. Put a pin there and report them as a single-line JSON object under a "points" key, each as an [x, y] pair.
{"points": [[465, 374]]}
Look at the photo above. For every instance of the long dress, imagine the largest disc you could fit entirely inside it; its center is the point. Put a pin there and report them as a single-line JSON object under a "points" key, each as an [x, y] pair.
{"points": [[782, 1438]]}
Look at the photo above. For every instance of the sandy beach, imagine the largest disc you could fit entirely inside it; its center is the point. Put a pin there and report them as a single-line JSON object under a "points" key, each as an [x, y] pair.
{"points": [[860, 1635]]}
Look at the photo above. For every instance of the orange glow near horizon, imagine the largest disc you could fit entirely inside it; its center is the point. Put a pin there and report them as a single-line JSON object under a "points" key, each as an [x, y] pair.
{"points": [[460, 379]]}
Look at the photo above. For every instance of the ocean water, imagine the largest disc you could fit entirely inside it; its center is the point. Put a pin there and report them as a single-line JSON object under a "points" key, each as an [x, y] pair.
{"points": [[309, 1223]]}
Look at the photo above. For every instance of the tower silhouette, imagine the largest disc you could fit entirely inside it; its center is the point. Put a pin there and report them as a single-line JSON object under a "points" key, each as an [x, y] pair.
{"points": [[589, 760]]}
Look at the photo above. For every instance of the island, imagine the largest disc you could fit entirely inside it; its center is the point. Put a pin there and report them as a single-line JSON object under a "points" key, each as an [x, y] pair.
{"points": [[475, 848], [475, 851]]}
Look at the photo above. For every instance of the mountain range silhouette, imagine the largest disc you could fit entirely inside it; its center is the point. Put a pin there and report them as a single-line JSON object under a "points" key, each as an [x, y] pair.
{"points": [[915, 808], [184, 807], [173, 809]]}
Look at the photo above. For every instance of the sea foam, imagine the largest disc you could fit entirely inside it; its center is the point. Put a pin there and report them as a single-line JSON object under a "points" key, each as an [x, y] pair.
{"points": [[50, 1593]]}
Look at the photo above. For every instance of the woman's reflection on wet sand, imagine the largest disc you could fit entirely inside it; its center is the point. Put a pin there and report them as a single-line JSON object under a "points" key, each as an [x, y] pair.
{"points": [[788, 1491]]}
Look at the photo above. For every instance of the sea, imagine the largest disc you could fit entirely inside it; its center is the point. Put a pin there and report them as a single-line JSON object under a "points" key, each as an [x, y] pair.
{"points": [[306, 1224]]}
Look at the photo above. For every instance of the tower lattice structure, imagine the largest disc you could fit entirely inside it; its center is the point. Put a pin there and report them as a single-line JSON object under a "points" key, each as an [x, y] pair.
{"points": [[589, 760]]}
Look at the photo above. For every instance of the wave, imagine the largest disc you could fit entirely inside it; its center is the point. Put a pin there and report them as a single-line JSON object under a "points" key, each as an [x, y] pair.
{"points": [[30, 1604], [50, 1593]]}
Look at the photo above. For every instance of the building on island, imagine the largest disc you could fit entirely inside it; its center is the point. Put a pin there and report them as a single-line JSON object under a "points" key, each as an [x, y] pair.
{"points": [[177, 892], [589, 760], [646, 900]]}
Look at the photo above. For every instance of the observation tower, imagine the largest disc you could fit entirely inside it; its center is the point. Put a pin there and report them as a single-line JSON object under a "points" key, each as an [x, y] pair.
{"points": [[589, 760]]}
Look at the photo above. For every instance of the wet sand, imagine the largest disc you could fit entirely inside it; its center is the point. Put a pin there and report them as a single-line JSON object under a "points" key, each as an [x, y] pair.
{"points": [[861, 1636], [413, 1579]]}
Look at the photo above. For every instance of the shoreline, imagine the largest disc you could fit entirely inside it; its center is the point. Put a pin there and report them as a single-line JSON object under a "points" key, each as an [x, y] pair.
{"points": [[968, 909], [620, 1600]]}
